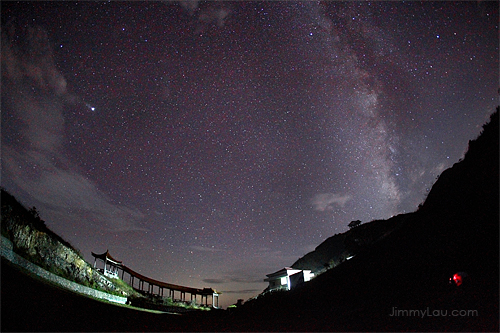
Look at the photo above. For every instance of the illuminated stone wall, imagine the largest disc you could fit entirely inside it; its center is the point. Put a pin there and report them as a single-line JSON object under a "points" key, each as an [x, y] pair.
{"points": [[7, 253]]}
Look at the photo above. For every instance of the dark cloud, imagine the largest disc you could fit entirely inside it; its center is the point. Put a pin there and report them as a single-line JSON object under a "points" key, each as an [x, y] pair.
{"points": [[214, 281], [242, 291], [247, 279], [236, 279]]}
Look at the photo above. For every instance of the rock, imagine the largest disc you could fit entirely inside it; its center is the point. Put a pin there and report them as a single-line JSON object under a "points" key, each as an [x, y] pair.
{"points": [[35, 242]]}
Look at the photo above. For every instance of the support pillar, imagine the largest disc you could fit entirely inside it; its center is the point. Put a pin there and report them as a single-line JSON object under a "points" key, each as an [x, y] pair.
{"points": [[215, 300]]}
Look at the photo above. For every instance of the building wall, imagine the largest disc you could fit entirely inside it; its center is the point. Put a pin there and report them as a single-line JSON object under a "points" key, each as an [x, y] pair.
{"points": [[283, 281]]}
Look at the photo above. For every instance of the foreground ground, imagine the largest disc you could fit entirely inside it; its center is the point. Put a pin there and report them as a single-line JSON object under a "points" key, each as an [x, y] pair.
{"points": [[29, 304]]}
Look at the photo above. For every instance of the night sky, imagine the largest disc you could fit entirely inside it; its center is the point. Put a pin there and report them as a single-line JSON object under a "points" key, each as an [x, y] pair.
{"points": [[208, 144]]}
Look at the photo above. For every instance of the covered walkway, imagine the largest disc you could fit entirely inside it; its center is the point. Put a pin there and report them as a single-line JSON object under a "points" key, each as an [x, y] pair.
{"points": [[154, 287]]}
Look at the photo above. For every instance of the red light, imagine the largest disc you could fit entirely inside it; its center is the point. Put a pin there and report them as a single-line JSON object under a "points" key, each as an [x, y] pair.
{"points": [[458, 279]]}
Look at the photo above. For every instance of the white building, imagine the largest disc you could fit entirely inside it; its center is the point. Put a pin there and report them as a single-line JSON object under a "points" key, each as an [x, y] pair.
{"points": [[288, 278]]}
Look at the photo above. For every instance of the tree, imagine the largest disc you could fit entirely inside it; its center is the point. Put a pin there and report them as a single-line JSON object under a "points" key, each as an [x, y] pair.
{"points": [[37, 221], [34, 212], [354, 224]]}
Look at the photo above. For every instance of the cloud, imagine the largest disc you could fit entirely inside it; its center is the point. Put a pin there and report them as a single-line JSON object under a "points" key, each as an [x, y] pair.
{"points": [[35, 163], [205, 249], [34, 86], [324, 201], [246, 279], [28, 59], [214, 281], [64, 190], [243, 278], [213, 13], [189, 5]]}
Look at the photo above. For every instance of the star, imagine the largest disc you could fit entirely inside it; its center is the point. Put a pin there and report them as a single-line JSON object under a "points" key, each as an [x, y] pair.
{"points": [[233, 139]]}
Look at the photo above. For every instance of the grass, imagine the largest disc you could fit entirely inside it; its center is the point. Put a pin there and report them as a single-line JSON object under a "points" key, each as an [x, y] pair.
{"points": [[31, 304]]}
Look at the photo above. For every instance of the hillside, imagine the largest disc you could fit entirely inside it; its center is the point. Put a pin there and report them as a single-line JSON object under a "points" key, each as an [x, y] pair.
{"points": [[446, 192], [336, 249], [455, 229], [38, 244], [35, 242]]}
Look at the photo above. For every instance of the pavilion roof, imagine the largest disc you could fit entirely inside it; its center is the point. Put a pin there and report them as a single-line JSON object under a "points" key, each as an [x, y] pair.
{"points": [[108, 256]]}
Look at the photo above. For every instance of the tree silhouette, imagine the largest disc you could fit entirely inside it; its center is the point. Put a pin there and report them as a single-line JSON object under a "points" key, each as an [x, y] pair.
{"points": [[354, 224], [34, 212]]}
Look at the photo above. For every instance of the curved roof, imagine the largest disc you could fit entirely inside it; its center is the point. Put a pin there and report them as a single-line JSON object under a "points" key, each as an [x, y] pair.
{"points": [[198, 291], [108, 256]]}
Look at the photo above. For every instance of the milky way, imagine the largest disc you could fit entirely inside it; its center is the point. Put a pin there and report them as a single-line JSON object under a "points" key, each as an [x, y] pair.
{"points": [[209, 144]]}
